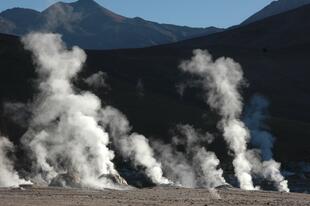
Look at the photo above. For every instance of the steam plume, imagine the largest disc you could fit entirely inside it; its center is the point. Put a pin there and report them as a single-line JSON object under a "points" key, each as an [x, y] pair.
{"points": [[176, 166], [263, 140], [8, 176], [221, 80], [195, 167], [64, 136], [133, 146], [205, 163], [67, 134]]}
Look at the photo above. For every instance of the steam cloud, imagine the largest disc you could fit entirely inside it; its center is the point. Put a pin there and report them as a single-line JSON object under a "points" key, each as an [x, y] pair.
{"points": [[196, 167], [133, 146], [263, 140], [64, 135], [71, 133], [67, 135], [97, 80], [8, 176], [221, 80]]}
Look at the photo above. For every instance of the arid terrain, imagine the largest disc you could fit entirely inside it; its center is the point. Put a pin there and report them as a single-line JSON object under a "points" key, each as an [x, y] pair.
{"points": [[151, 196]]}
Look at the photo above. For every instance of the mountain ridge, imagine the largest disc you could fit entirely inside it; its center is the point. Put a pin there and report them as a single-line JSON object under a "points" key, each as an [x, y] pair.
{"points": [[274, 32], [274, 8], [89, 25]]}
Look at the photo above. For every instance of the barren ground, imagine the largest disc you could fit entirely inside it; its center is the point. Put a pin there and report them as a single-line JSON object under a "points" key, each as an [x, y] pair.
{"points": [[151, 196]]}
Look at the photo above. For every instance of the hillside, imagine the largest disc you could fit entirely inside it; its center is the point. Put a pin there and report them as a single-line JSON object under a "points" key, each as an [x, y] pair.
{"points": [[290, 29], [274, 8]]}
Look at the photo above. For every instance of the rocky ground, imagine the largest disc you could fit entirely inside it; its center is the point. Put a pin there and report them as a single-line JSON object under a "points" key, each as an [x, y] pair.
{"points": [[151, 196]]}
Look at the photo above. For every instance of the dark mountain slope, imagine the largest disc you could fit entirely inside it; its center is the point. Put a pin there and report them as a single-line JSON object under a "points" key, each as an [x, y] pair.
{"points": [[291, 28], [89, 25], [274, 8]]}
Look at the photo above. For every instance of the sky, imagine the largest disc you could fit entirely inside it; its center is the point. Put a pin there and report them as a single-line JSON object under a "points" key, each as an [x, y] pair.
{"points": [[194, 13]]}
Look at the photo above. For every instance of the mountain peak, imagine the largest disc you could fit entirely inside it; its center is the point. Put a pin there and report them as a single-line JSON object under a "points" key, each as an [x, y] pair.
{"points": [[89, 25], [91, 6], [86, 3], [83, 8]]}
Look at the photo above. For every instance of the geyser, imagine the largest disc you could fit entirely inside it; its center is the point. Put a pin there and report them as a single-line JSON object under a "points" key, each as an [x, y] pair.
{"points": [[66, 137], [221, 80]]}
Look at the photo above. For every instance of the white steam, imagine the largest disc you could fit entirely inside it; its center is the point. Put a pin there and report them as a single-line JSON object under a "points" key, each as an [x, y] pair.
{"points": [[176, 166], [221, 80], [97, 80], [195, 167], [67, 133], [64, 136], [133, 146], [263, 140], [210, 175], [70, 133], [205, 163], [8, 175]]}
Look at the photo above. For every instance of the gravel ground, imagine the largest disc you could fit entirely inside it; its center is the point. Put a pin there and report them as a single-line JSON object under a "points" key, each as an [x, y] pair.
{"points": [[151, 196]]}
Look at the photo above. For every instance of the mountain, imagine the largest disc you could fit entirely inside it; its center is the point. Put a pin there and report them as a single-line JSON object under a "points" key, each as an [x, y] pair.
{"points": [[87, 24], [274, 54], [275, 7], [289, 29]]}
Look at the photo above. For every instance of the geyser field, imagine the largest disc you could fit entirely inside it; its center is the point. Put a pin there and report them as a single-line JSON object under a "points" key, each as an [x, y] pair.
{"points": [[73, 138]]}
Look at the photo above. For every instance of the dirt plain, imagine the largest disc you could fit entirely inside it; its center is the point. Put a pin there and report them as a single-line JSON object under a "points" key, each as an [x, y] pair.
{"points": [[170, 196]]}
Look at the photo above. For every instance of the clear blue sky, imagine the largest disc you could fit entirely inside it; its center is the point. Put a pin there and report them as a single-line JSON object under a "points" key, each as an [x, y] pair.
{"points": [[196, 13]]}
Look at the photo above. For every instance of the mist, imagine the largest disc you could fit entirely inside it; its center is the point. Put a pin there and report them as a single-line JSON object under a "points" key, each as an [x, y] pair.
{"points": [[262, 139], [194, 166], [97, 80], [8, 175]]}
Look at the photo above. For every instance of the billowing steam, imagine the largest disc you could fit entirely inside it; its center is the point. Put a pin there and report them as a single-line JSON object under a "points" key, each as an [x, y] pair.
{"points": [[221, 80], [8, 176], [176, 166], [205, 163], [196, 167], [64, 135], [71, 135], [133, 146], [263, 140], [67, 136]]}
